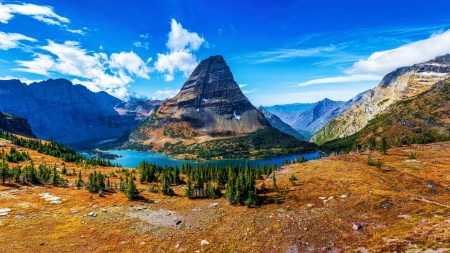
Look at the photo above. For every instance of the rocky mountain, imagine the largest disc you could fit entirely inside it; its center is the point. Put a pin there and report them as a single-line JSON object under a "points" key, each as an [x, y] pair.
{"points": [[420, 119], [401, 84], [209, 107], [66, 112], [16, 125], [312, 120], [289, 112], [141, 110], [279, 124]]}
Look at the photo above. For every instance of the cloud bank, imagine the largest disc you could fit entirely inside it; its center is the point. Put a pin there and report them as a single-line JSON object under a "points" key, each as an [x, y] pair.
{"points": [[181, 45], [11, 40], [381, 63], [41, 13], [97, 71], [420, 51]]}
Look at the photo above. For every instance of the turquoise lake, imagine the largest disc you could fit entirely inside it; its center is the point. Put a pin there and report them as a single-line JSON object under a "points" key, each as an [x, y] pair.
{"points": [[131, 158]]}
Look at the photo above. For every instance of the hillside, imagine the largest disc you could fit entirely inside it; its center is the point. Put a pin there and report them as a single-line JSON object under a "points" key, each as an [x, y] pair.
{"points": [[279, 124], [63, 111], [421, 119], [210, 118], [400, 84], [336, 204]]}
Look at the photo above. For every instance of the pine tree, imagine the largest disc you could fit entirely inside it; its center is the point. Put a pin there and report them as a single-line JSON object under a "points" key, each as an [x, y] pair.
{"points": [[131, 191], [292, 179], [274, 182], [4, 171], [80, 181], [189, 191], [384, 146]]}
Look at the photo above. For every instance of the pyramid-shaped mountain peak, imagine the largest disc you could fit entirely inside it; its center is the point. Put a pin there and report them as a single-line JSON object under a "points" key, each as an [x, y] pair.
{"points": [[212, 99]]}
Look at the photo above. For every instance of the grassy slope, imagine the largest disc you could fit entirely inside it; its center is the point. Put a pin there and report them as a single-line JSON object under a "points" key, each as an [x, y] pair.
{"points": [[396, 206], [421, 119]]}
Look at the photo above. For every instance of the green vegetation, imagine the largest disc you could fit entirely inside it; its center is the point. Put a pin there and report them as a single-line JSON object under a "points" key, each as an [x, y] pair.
{"points": [[419, 120], [292, 179], [264, 143], [30, 174], [14, 155], [207, 180], [54, 149], [412, 155], [384, 146], [131, 191]]}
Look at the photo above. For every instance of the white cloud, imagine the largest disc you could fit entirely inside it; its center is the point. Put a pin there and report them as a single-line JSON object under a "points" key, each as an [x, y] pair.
{"points": [[96, 71], [77, 31], [180, 38], [39, 65], [286, 54], [343, 79], [167, 93], [140, 44], [242, 85], [406, 55], [22, 79], [145, 36], [41, 13], [11, 40], [181, 44]]}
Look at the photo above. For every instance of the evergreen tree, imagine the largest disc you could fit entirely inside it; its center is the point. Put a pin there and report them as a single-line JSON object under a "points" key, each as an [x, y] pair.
{"points": [[274, 182], [384, 146], [292, 179], [189, 191], [80, 181], [4, 171], [131, 191]]}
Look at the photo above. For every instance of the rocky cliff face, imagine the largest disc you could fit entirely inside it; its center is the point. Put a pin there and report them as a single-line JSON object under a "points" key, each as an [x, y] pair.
{"points": [[16, 125], [213, 102], [279, 124], [210, 104], [66, 112], [400, 84]]}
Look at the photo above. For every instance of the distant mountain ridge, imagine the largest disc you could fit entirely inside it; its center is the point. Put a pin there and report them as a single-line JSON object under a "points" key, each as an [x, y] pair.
{"points": [[141, 109], [398, 85], [289, 112], [279, 124], [63, 111]]}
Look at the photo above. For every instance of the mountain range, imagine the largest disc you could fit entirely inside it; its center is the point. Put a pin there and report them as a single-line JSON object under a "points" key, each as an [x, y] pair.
{"points": [[66, 112], [420, 119], [401, 84], [276, 122], [211, 118]]}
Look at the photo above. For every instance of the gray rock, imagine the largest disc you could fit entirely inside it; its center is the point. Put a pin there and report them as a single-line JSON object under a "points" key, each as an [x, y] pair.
{"points": [[357, 226]]}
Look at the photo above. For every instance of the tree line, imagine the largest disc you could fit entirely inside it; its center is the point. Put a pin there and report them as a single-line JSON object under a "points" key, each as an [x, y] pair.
{"points": [[56, 149]]}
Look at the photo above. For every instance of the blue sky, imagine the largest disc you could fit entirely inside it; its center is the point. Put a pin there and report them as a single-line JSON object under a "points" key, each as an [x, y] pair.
{"points": [[279, 51]]}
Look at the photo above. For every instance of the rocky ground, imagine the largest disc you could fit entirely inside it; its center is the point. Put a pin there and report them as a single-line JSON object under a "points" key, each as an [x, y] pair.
{"points": [[337, 204]]}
